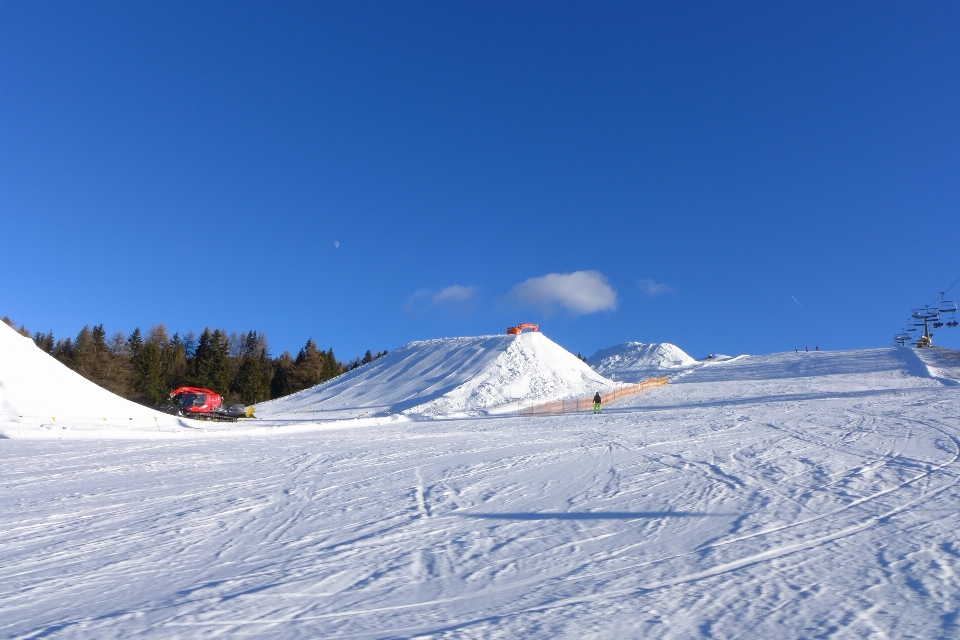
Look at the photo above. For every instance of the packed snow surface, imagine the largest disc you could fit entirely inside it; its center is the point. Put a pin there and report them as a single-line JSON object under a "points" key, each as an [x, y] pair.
{"points": [[781, 496], [445, 376], [636, 361]]}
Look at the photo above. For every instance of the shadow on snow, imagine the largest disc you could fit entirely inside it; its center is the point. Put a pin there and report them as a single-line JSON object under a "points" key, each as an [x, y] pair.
{"points": [[592, 515]]}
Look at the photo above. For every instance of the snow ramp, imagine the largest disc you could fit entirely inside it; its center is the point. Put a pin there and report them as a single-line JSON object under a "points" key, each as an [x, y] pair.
{"points": [[447, 376], [636, 361], [36, 389]]}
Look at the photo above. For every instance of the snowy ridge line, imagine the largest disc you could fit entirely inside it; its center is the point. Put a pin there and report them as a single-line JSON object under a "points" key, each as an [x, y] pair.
{"points": [[586, 404]]}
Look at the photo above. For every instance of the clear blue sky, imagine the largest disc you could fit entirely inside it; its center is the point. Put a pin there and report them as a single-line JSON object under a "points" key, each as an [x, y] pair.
{"points": [[731, 177]]}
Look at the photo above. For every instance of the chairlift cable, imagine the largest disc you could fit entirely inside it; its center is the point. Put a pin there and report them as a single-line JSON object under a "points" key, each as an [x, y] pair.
{"points": [[946, 291]]}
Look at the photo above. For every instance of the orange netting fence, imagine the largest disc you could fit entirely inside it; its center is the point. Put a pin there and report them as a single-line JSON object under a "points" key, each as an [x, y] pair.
{"points": [[586, 404]]}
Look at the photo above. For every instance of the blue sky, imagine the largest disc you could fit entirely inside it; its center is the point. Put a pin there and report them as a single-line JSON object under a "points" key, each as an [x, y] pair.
{"points": [[730, 177]]}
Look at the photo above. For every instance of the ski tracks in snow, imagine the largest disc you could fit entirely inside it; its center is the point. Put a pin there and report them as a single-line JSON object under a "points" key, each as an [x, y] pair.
{"points": [[789, 513]]}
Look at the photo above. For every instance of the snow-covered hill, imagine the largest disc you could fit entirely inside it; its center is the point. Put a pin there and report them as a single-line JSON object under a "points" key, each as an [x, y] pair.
{"points": [[634, 361], [447, 376]]}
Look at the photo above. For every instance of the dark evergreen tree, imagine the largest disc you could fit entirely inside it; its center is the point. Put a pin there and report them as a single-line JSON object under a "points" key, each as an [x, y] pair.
{"points": [[331, 368], [150, 374], [134, 342], [190, 345], [210, 368], [175, 362], [255, 373], [119, 375], [202, 359], [282, 382], [220, 370], [308, 366], [99, 336], [45, 342], [82, 352], [98, 357], [63, 351]]}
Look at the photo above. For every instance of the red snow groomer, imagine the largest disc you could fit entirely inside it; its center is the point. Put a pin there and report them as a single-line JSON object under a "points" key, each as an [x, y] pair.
{"points": [[204, 404]]}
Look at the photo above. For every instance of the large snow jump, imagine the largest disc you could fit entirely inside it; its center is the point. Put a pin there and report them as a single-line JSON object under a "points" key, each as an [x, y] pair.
{"points": [[37, 389], [447, 376]]}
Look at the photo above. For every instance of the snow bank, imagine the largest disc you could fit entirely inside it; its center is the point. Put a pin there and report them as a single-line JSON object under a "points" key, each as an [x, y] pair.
{"points": [[634, 361], [36, 389], [443, 376], [942, 364]]}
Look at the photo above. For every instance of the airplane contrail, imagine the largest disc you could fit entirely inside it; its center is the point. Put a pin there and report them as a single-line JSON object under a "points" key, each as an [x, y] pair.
{"points": [[797, 301]]}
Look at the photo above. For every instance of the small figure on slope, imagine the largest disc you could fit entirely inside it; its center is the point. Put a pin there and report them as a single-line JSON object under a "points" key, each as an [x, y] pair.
{"points": [[596, 403]]}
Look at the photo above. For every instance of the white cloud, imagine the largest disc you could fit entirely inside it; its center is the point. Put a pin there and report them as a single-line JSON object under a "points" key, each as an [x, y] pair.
{"points": [[455, 299], [578, 292], [454, 293], [652, 288]]}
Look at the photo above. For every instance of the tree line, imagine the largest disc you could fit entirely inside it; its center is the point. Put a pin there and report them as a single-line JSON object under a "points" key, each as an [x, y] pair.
{"points": [[145, 368]]}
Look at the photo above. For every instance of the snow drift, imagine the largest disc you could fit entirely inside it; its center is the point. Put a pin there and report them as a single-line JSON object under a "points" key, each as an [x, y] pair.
{"points": [[35, 388], [449, 375], [634, 361]]}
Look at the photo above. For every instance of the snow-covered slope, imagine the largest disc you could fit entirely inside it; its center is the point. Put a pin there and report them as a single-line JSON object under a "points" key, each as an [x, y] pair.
{"points": [[779, 496], [35, 388], [633, 361], [445, 376], [943, 364]]}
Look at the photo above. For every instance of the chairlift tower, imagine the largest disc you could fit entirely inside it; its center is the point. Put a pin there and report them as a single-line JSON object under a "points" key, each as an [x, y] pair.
{"points": [[926, 316]]}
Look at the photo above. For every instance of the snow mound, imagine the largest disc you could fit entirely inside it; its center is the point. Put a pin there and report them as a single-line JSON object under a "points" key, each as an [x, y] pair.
{"points": [[633, 361], [444, 376], [37, 389]]}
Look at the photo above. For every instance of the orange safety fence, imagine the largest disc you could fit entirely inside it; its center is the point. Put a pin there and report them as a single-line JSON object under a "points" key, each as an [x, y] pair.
{"points": [[586, 404]]}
